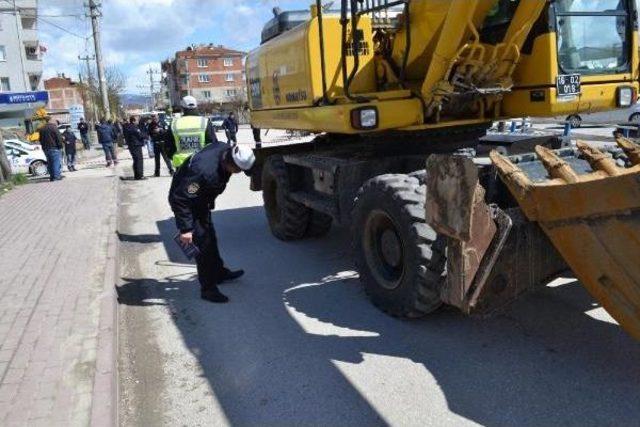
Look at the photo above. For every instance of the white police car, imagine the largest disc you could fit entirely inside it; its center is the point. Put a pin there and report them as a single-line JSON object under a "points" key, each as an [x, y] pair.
{"points": [[26, 158]]}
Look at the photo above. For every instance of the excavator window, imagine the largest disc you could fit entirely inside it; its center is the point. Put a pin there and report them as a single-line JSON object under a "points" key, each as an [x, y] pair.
{"points": [[497, 22], [586, 42]]}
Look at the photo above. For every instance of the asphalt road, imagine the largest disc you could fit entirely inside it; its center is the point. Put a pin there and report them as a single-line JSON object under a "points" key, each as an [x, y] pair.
{"points": [[299, 344]]}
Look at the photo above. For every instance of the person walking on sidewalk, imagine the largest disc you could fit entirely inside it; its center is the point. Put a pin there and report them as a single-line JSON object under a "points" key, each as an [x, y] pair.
{"points": [[70, 148], [159, 137], [230, 126], [135, 142], [51, 142], [83, 128], [195, 187], [106, 139]]}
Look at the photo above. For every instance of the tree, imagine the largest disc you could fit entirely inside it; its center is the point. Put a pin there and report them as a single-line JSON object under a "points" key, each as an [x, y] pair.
{"points": [[5, 166], [116, 83]]}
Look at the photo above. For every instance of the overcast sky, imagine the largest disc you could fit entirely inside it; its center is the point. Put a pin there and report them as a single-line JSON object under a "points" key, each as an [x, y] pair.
{"points": [[137, 33]]}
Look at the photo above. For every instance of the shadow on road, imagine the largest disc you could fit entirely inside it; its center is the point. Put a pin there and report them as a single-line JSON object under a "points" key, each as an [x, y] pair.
{"points": [[545, 362]]}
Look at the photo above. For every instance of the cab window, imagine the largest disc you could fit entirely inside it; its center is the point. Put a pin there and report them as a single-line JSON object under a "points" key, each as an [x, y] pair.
{"points": [[593, 36]]}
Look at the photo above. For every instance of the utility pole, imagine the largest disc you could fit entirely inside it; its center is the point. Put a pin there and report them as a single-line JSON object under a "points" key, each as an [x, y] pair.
{"points": [[94, 13], [152, 84], [87, 60]]}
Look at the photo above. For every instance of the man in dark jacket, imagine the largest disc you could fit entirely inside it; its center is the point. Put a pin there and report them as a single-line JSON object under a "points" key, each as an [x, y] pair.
{"points": [[159, 138], [230, 126], [83, 127], [135, 142], [106, 139], [51, 142], [195, 187], [70, 148]]}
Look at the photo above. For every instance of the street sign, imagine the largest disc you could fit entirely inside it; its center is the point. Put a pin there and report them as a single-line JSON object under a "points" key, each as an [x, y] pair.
{"points": [[24, 98]]}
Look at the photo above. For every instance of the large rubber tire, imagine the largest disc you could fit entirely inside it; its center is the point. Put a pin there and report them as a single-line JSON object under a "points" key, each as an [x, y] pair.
{"points": [[288, 219], [319, 224], [399, 257]]}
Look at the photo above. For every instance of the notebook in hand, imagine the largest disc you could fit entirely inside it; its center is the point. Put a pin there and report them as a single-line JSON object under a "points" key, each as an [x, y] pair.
{"points": [[190, 251]]}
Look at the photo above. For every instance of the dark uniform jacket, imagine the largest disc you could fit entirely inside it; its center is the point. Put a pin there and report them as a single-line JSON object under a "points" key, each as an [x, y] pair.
{"points": [[50, 138], [230, 124], [83, 128], [69, 142], [133, 135], [197, 184]]}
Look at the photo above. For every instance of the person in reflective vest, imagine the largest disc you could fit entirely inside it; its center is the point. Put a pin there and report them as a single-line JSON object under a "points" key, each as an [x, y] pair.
{"points": [[189, 133]]}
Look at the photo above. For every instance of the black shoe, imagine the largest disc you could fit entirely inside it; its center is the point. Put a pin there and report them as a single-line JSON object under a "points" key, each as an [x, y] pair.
{"points": [[232, 275], [144, 178], [214, 296]]}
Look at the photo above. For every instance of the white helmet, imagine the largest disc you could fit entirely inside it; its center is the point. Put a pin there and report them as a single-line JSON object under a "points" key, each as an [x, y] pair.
{"points": [[189, 102], [243, 157]]}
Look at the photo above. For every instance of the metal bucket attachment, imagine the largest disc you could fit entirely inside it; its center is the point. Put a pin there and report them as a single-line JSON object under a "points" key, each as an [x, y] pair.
{"points": [[588, 204]]}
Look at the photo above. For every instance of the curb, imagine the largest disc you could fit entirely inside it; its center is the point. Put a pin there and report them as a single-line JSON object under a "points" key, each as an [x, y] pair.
{"points": [[104, 408]]}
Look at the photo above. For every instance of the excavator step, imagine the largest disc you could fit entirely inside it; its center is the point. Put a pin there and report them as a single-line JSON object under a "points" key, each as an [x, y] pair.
{"points": [[587, 201]]}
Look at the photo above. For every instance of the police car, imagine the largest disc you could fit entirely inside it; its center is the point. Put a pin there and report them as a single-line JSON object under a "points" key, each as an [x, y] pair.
{"points": [[26, 158]]}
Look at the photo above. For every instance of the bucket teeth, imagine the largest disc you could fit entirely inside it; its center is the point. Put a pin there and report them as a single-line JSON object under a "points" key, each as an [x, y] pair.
{"points": [[598, 160], [511, 173], [556, 167], [630, 148]]}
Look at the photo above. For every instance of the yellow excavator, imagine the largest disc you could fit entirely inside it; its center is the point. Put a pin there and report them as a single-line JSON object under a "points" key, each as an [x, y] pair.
{"points": [[389, 84]]}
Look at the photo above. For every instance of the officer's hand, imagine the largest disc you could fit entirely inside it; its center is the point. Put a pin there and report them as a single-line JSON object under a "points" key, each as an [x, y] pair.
{"points": [[186, 238]]}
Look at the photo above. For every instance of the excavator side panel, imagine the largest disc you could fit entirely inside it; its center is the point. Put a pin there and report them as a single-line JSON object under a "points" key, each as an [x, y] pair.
{"points": [[590, 210]]}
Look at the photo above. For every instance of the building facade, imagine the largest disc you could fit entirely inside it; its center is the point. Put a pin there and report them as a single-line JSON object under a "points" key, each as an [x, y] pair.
{"points": [[20, 57], [65, 96], [212, 74]]}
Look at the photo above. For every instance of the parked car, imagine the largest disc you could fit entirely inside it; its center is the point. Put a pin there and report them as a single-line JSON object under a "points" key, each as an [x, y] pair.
{"points": [[217, 121], [16, 143], [630, 115], [26, 158]]}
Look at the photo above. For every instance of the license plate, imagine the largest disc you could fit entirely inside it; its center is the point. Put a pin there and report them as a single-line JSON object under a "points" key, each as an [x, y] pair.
{"points": [[189, 143], [569, 85]]}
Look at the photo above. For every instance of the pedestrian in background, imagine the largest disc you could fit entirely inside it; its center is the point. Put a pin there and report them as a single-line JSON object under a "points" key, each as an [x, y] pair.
{"points": [[70, 148], [51, 142], [143, 124], [158, 138], [105, 138], [135, 142], [230, 126], [83, 128]]}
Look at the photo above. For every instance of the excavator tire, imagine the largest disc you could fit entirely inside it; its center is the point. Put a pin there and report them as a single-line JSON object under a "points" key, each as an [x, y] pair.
{"points": [[288, 219], [319, 224], [400, 258]]}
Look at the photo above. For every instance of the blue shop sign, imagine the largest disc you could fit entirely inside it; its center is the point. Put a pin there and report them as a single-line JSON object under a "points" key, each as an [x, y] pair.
{"points": [[24, 98]]}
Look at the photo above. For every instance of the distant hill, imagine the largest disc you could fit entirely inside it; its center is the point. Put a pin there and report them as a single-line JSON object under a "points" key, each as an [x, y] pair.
{"points": [[134, 99]]}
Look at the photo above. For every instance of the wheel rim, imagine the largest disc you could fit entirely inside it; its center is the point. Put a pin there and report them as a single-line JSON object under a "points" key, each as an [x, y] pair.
{"points": [[39, 169], [383, 250], [574, 122], [635, 119]]}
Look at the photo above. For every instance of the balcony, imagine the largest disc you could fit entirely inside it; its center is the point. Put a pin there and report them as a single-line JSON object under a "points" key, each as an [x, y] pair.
{"points": [[32, 52]]}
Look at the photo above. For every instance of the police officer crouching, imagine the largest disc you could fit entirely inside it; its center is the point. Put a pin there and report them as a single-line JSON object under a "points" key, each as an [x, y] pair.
{"points": [[195, 187]]}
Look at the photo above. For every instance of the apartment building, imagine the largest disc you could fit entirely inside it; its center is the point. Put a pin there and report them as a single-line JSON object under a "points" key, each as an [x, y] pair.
{"points": [[212, 74], [20, 61]]}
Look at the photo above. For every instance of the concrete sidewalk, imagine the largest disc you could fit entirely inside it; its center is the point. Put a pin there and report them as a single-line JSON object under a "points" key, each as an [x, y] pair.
{"points": [[57, 305]]}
